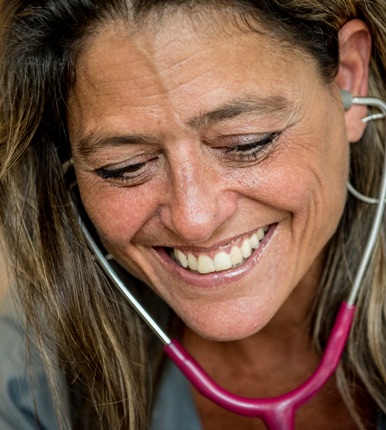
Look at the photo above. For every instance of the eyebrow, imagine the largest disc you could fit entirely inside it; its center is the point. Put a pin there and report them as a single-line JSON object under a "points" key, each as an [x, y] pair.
{"points": [[91, 143], [277, 105], [242, 106]]}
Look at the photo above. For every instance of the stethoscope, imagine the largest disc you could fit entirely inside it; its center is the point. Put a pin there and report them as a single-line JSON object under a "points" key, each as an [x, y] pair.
{"points": [[278, 413]]}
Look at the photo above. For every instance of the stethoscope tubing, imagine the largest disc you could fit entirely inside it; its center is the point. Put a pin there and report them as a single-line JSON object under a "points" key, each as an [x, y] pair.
{"points": [[278, 413]]}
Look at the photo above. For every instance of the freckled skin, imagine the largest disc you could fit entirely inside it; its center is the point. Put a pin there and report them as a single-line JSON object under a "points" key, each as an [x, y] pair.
{"points": [[152, 83]]}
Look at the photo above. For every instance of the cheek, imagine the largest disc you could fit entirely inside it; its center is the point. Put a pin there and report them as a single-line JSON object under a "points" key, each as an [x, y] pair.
{"points": [[117, 213], [313, 189], [298, 183], [308, 182], [317, 166]]}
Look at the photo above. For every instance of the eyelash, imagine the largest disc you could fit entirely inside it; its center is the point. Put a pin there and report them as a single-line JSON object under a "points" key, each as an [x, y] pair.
{"points": [[251, 150], [119, 175]]}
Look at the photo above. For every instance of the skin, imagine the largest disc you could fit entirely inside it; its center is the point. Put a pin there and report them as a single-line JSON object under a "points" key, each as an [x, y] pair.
{"points": [[157, 86]]}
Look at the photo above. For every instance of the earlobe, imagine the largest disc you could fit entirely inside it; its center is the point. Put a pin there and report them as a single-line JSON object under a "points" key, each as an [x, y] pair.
{"points": [[354, 58]]}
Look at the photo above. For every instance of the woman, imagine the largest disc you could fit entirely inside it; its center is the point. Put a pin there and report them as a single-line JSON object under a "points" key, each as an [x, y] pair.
{"points": [[212, 153]]}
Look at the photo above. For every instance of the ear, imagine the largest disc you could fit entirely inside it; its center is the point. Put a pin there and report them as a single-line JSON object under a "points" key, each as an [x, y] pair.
{"points": [[354, 57]]}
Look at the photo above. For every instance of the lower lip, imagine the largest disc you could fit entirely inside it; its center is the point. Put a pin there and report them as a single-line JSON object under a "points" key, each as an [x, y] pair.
{"points": [[215, 279]]}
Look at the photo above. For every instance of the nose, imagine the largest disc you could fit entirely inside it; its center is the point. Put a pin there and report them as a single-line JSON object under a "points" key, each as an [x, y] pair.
{"points": [[198, 201]]}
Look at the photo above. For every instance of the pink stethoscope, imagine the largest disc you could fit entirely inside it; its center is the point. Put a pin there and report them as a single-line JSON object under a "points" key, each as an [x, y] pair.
{"points": [[278, 413]]}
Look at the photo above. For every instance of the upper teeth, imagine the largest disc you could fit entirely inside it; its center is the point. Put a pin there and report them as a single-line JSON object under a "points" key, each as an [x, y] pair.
{"points": [[217, 262]]}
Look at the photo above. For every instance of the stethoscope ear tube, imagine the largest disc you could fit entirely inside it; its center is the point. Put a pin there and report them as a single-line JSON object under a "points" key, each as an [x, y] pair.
{"points": [[116, 280], [378, 218]]}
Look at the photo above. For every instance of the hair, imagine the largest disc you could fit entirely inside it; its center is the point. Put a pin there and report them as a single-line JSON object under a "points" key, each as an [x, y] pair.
{"points": [[99, 340]]}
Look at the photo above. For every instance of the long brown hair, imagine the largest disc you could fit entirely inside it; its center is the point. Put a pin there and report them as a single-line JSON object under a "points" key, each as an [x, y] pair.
{"points": [[99, 340]]}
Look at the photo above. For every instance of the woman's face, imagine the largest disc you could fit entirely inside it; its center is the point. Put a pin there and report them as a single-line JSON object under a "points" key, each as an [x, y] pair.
{"points": [[213, 165]]}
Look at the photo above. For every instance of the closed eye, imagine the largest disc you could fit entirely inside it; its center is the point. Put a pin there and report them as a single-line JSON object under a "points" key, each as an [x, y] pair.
{"points": [[253, 145], [247, 148], [106, 173], [129, 173]]}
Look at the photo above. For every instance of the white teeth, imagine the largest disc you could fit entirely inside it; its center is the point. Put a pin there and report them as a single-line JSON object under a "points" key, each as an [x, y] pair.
{"points": [[255, 241], [246, 248], [205, 264], [192, 262], [261, 233], [222, 260], [181, 258], [236, 255]]}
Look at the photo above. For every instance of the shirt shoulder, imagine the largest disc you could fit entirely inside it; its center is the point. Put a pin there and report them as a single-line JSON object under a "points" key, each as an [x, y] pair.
{"points": [[25, 398], [173, 407]]}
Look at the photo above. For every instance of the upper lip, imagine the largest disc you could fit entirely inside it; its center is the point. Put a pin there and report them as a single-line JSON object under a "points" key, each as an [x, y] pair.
{"points": [[222, 244]]}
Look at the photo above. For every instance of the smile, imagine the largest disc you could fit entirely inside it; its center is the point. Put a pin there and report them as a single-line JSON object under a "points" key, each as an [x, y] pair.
{"points": [[231, 256]]}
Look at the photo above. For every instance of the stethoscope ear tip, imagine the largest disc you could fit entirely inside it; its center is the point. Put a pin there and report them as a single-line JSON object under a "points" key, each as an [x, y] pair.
{"points": [[346, 99]]}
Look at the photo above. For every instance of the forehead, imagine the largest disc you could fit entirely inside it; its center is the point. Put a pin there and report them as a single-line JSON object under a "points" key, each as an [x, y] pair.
{"points": [[178, 67]]}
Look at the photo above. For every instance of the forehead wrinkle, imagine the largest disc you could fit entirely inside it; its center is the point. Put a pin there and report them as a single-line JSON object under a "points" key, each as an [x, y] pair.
{"points": [[150, 53]]}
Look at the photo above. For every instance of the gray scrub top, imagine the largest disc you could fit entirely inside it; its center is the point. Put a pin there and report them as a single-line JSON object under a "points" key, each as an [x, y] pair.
{"points": [[26, 404], [25, 400]]}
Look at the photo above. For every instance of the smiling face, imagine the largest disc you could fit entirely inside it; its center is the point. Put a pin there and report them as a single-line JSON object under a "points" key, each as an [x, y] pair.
{"points": [[213, 166]]}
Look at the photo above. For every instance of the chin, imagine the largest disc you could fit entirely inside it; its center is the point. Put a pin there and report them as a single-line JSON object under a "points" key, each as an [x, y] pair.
{"points": [[227, 328], [221, 335]]}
